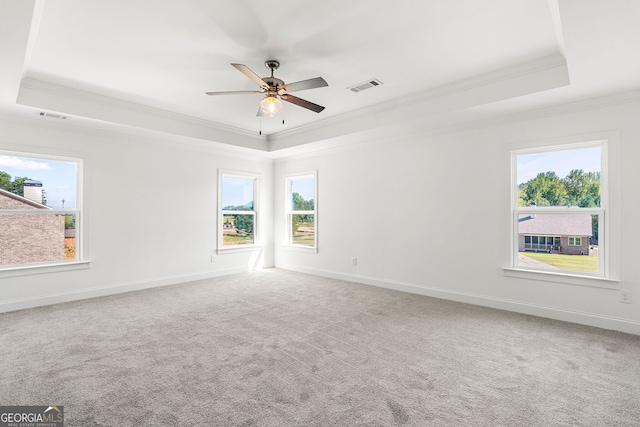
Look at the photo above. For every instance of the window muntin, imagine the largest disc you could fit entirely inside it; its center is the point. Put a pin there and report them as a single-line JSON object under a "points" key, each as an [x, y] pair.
{"points": [[301, 205], [575, 241], [541, 243], [39, 210], [558, 208], [238, 195]]}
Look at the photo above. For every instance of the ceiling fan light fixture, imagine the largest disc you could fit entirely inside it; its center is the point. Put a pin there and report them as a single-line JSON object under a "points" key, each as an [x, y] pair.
{"points": [[271, 106]]}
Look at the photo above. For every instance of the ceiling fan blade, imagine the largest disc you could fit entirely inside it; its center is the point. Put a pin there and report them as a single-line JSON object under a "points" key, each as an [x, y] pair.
{"points": [[234, 92], [253, 76], [302, 103], [305, 84], [260, 113]]}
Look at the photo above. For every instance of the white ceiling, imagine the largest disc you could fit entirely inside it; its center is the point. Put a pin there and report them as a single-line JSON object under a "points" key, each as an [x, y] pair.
{"points": [[148, 63]]}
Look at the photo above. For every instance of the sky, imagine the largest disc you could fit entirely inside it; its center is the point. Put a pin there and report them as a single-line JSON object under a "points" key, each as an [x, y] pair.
{"points": [[304, 186], [236, 191], [59, 178], [560, 162], [239, 191]]}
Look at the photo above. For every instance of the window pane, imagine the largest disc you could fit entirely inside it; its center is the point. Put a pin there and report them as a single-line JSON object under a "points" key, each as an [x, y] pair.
{"points": [[303, 230], [237, 229], [576, 248], [237, 194], [560, 178], [303, 194], [32, 238]]}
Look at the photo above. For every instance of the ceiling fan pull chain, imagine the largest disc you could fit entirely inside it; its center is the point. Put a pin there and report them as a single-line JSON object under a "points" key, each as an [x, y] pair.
{"points": [[260, 133]]}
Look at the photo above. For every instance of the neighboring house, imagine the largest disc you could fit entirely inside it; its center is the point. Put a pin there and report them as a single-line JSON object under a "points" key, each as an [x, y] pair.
{"points": [[561, 233], [28, 238]]}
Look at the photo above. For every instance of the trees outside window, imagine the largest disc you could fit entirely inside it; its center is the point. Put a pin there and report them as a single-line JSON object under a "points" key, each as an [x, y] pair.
{"points": [[238, 207], [300, 208]]}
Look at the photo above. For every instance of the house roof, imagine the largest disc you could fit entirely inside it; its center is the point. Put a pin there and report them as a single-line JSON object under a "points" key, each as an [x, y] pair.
{"points": [[10, 195], [555, 224]]}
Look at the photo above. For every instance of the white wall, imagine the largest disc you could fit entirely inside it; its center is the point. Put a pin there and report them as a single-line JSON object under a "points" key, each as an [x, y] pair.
{"points": [[149, 211], [426, 212]]}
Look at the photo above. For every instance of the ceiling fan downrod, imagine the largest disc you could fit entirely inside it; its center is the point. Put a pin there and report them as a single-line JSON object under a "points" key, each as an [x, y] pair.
{"points": [[272, 65]]}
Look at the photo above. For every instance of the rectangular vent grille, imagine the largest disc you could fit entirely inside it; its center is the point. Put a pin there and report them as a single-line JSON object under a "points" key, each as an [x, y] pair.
{"points": [[53, 115], [366, 85]]}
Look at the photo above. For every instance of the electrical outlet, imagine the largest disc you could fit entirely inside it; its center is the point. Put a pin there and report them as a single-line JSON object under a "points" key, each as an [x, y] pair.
{"points": [[354, 261], [213, 256], [625, 297]]}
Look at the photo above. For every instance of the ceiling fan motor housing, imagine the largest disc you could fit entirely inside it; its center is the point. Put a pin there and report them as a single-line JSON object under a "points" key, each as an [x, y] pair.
{"points": [[273, 82]]}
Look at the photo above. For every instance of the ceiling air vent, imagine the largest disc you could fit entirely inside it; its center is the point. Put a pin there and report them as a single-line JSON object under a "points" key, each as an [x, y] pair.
{"points": [[53, 115], [366, 85]]}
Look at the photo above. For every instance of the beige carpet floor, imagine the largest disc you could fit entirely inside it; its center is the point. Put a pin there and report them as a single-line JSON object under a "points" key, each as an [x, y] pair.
{"points": [[277, 348]]}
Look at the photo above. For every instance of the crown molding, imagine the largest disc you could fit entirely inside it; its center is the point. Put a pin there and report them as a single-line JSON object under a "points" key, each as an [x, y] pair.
{"points": [[30, 118], [548, 72], [349, 128], [571, 107], [543, 74], [416, 129], [69, 101]]}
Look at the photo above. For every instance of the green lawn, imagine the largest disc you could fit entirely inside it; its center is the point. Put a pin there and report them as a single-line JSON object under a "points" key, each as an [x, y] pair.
{"points": [[566, 262], [304, 234], [303, 239], [229, 239]]}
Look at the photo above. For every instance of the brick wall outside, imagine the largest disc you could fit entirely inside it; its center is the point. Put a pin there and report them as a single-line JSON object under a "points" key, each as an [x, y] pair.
{"points": [[574, 250], [29, 238]]}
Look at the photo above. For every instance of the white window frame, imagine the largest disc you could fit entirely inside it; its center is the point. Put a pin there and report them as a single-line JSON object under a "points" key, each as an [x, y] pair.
{"points": [[222, 173], [289, 212], [80, 261], [608, 231]]}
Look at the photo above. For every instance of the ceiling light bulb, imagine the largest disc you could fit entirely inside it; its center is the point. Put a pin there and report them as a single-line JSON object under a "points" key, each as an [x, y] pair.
{"points": [[271, 106]]}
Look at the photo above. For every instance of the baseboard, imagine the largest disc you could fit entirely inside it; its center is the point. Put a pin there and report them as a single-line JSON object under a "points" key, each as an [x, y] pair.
{"points": [[42, 300], [582, 318]]}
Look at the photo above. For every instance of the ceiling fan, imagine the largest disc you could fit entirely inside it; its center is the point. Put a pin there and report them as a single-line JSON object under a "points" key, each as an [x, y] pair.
{"points": [[276, 90]]}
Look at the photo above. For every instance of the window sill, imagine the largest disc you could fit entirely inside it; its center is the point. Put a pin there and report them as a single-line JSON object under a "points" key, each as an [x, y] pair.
{"points": [[566, 278], [239, 248], [26, 270], [300, 248]]}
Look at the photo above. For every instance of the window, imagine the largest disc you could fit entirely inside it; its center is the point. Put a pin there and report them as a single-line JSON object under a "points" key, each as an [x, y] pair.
{"points": [[39, 211], [301, 205], [558, 206], [541, 243], [238, 210]]}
